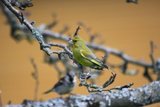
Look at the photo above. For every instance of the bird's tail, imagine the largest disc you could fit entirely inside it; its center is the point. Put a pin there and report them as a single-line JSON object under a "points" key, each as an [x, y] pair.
{"points": [[105, 66], [48, 91]]}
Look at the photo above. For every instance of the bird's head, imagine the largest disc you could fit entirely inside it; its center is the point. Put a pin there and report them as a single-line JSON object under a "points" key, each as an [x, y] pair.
{"points": [[71, 76], [77, 41]]}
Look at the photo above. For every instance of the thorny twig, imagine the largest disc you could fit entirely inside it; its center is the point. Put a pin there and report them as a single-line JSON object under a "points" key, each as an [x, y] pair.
{"points": [[35, 75]]}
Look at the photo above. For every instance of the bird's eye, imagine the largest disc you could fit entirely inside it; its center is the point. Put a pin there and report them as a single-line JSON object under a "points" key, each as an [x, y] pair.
{"points": [[74, 41]]}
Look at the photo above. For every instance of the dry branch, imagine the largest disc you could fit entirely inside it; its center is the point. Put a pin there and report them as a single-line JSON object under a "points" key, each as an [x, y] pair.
{"points": [[35, 75], [144, 95], [45, 47]]}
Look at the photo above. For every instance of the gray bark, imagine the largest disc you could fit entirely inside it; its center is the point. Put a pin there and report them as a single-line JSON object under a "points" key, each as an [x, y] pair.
{"points": [[126, 97]]}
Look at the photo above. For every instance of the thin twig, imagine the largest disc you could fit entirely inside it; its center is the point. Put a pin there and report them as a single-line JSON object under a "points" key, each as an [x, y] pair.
{"points": [[53, 23], [64, 29], [152, 56], [63, 46], [35, 76], [147, 75], [1, 102]]}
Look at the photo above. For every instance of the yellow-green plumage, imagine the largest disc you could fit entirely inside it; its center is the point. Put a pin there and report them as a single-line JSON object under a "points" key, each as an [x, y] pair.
{"points": [[84, 56]]}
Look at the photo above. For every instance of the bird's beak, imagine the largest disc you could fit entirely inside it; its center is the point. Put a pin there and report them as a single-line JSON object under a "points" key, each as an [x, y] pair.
{"points": [[70, 41]]}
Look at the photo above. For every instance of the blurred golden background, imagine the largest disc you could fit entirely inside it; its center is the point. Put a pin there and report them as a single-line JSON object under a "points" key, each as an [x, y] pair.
{"points": [[126, 27]]}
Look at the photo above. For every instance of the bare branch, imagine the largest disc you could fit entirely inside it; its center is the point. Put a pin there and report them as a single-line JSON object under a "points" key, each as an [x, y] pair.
{"points": [[45, 47], [35, 76], [144, 95], [152, 55], [102, 48], [63, 46], [147, 75], [21, 4]]}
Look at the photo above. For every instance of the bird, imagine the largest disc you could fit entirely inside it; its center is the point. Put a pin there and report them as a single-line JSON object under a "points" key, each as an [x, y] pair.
{"points": [[83, 55], [65, 85]]}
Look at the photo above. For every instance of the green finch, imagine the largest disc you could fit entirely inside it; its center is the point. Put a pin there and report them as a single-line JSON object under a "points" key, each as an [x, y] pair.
{"points": [[83, 55]]}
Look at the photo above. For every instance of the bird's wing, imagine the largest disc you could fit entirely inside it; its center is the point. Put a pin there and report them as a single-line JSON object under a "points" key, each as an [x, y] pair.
{"points": [[59, 83], [89, 56]]}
